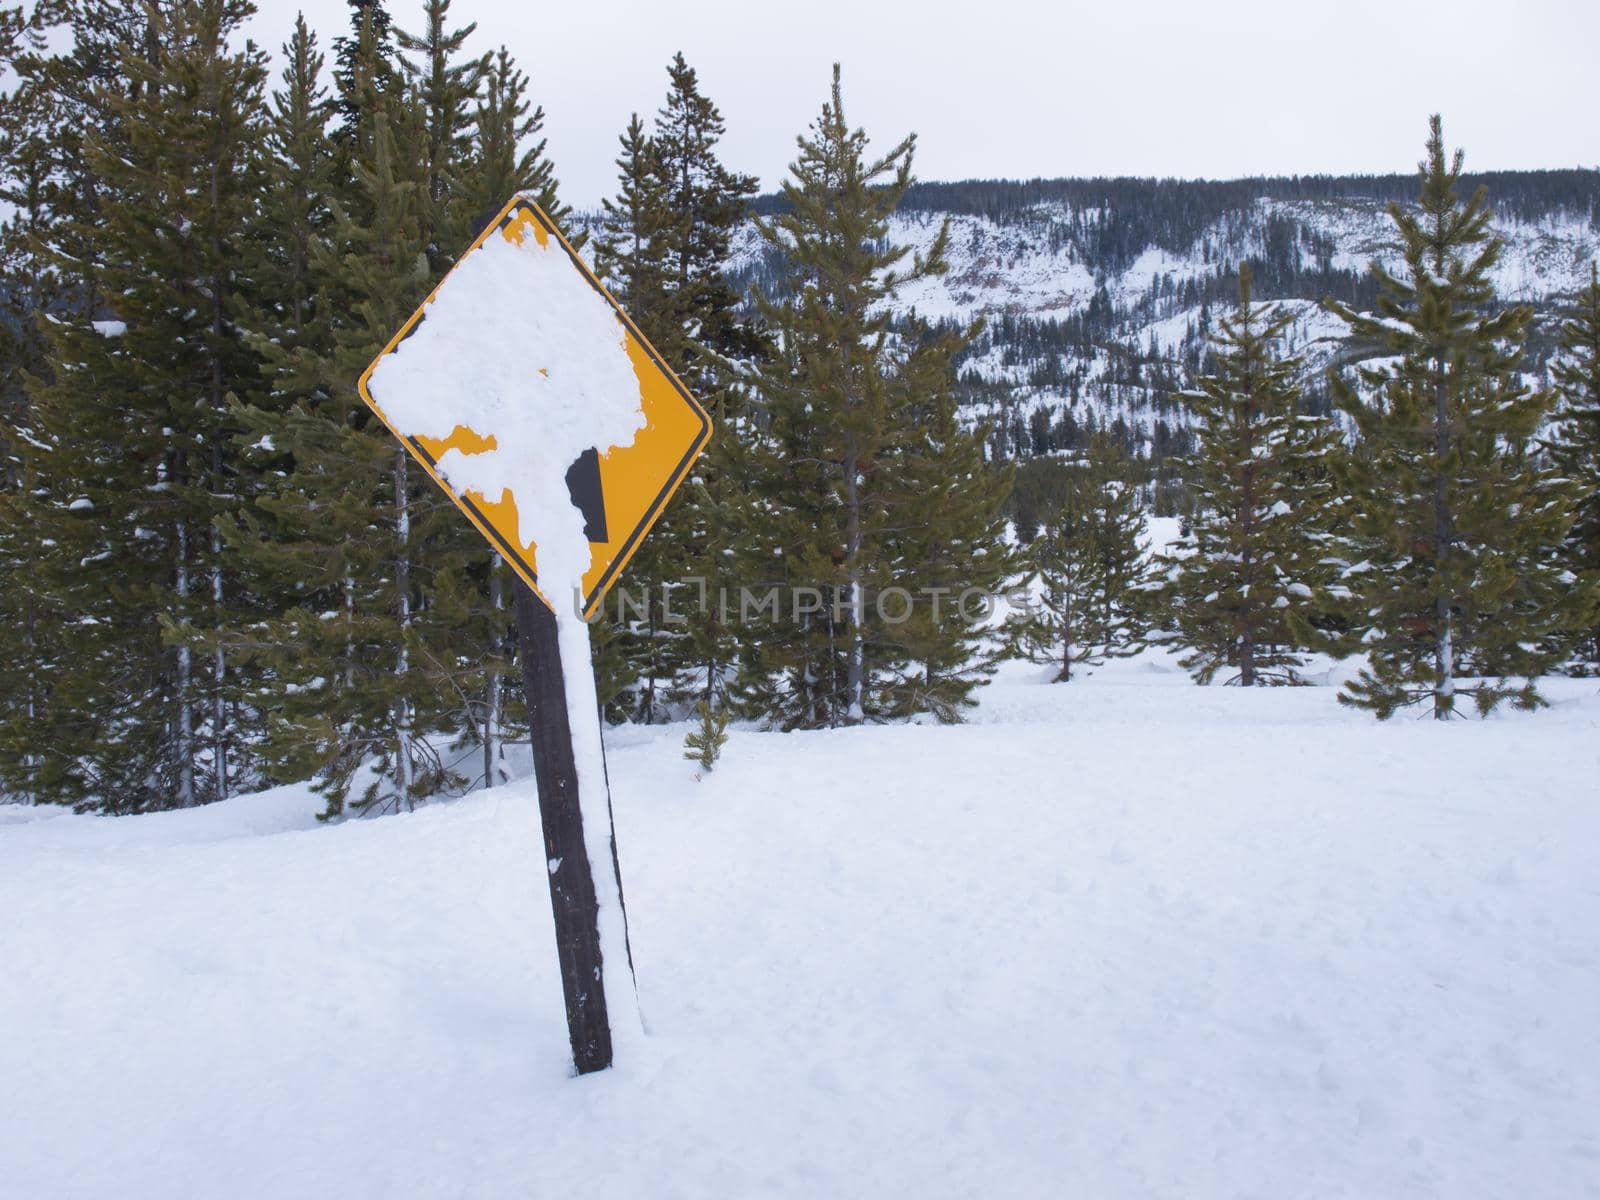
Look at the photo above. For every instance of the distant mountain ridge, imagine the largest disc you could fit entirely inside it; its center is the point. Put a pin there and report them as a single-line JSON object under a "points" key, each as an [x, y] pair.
{"points": [[1098, 293]]}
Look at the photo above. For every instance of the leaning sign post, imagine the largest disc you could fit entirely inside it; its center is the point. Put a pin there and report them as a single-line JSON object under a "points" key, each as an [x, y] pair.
{"points": [[528, 395]]}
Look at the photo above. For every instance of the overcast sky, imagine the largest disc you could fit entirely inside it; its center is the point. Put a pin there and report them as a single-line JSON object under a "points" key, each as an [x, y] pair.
{"points": [[1010, 89]]}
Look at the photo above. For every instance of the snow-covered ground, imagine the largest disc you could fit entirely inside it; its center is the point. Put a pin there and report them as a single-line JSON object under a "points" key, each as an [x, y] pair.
{"points": [[1120, 938]]}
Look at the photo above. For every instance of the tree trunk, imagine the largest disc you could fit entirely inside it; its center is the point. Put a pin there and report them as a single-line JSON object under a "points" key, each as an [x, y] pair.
{"points": [[185, 748], [1247, 519], [219, 666], [855, 673], [30, 641], [1444, 688], [349, 631], [652, 660], [219, 671], [1067, 635], [404, 780]]}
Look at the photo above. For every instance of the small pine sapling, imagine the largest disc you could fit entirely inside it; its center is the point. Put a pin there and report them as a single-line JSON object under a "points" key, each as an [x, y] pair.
{"points": [[705, 741]]}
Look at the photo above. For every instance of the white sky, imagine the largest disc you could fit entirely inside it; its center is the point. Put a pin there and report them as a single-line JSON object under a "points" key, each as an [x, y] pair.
{"points": [[1212, 88]]}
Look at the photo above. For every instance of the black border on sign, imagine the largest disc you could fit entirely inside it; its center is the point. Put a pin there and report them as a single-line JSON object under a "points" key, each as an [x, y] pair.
{"points": [[512, 554]]}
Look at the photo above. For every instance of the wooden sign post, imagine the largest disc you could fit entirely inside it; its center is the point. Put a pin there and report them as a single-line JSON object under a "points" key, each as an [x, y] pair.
{"points": [[528, 395], [572, 885]]}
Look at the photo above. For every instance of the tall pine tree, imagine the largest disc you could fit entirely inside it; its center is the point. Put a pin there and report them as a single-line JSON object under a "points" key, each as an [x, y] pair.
{"points": [[664, 245], [847, 431], [946, 531], [29, 289], [360, 680], [132, 458], [445, 85], [504, 158], [1252, 584], [1576, 446], [50, 251], [1460, 525]]}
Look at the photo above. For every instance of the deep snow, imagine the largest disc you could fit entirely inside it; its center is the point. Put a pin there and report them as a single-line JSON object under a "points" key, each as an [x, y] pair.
{"points": [[1119, 938]]}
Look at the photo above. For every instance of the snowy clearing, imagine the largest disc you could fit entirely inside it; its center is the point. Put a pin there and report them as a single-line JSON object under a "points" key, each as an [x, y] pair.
{"points": [[1121, 938]]}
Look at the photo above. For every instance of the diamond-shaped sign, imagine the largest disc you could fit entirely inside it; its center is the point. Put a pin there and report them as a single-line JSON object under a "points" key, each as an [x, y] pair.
{"points": [[521, 309]]}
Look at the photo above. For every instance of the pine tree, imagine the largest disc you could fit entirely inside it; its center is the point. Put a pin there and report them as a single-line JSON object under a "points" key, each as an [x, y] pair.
{"points": [[1460, 524], [1576, 446], [838, 453], [29, 288], [721, 342], [504, 158], [13, 31], [629, 255], [46, 265], [705, 202], [1254, 579], [446, 86], [288, 319], [26, 286], [629, 246], [130, 460], [364, 681], [708, 340], [477, 161], [1091, 573], [946, 530], [301, 182], [664, 245], [59, 99], [365, 63], [704, 742]]}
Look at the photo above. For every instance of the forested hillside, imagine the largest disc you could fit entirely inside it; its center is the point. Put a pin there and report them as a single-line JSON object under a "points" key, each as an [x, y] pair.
{"points": [[1099, 295]]}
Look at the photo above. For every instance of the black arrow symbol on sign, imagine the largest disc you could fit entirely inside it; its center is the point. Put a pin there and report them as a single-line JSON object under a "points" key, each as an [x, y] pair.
{"points": [[583, 485]]}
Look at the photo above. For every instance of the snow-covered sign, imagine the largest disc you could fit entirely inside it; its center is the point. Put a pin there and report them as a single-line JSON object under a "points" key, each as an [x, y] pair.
{"points": [[531, 398], [537, 405]]}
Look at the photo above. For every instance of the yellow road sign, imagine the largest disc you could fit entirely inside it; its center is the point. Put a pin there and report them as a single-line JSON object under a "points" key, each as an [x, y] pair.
{"points": [[621, 490]]}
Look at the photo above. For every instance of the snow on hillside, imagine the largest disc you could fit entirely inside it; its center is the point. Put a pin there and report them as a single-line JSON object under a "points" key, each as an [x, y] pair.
{"points": [[1157, 306], [1120, 938], [1032, 266]]}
